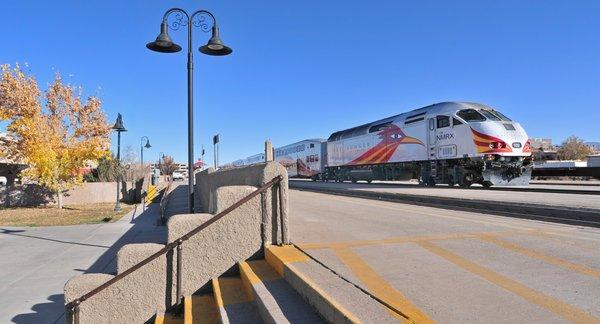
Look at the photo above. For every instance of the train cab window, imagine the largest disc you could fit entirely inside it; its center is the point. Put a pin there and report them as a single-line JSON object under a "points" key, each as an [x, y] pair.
{"points": [[489, 115], [499, 114], [312, 145], [378, 127], [456, 122], [470, 115], [443, 121]]}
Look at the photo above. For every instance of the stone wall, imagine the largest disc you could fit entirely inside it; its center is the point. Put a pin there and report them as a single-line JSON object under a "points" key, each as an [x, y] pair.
{"points": [[257, 175], [238, 236], [86, 193]]}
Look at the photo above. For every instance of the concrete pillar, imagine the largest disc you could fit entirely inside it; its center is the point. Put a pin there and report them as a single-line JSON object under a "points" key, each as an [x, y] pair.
{"points": [[268, 151]]}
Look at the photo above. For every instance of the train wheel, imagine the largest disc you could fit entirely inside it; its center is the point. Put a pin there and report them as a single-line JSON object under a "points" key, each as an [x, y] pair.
{"points": [[467, 180], [487, 184], [369, 181], [430, 182]]}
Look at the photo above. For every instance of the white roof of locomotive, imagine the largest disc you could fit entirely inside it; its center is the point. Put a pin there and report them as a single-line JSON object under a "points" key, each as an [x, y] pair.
{"points": [[447, 107]]}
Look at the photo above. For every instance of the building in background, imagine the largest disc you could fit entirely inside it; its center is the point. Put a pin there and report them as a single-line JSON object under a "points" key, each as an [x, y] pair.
{"points": [[543, 150], [593, 161], [594, 146]]}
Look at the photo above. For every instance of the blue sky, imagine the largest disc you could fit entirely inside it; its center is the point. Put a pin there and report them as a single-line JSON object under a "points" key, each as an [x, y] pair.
{"points": [[303, 69]]}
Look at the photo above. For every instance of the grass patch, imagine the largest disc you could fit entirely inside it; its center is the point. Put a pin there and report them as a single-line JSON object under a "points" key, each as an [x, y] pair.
{"points": [[69, 215]]}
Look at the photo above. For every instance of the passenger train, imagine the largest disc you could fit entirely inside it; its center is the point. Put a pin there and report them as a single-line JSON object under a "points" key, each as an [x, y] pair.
{"points": [[454, 143]]}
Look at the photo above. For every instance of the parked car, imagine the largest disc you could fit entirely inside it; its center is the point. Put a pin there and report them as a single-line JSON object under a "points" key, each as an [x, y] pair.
{"points": [[177, 176]]}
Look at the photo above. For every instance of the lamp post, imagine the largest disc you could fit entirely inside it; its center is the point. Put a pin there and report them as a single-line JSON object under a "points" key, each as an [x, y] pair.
{"points": [[142, 147], [142, 169], [118, 127], [215, 47]]}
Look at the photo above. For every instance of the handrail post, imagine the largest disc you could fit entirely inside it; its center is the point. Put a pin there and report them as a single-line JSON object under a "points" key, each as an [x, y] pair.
{"points": [[179, 261], [281, 208], [74, 313]]}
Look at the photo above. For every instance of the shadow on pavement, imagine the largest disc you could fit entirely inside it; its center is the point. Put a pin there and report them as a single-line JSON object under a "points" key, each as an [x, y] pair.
{"points": [[50, 312], [15, 232], [144, 230]]}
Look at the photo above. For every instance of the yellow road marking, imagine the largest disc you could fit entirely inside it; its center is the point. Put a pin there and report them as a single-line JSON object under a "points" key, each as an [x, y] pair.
{"points": [[278, 256], [167, 319], [381, 288], [556, 306], [232, 291], [406, 239], [557, 236], [253, 272], [282, 257], [188, 311], [325, 296], [204, 310], [540, 256]]}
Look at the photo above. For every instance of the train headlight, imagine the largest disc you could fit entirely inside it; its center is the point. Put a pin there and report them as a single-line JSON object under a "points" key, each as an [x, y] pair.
{"points": [[489, 157], [497, 145]]}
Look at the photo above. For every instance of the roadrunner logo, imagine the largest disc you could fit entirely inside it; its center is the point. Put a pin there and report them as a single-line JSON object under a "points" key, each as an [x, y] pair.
{"points": [[391, 137]]}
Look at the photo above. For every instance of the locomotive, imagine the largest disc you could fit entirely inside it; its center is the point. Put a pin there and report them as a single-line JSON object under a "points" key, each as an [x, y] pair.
{"points": [[454, 143]]}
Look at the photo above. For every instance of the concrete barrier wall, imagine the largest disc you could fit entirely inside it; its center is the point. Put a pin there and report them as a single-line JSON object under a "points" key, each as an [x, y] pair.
{"points": [[220, 246], [275, 224], [91, 192], [86, 193], [236, 237]]}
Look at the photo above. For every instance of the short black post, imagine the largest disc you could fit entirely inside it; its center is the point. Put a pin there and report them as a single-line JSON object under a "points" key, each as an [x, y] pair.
{"points": [[179, 261]]}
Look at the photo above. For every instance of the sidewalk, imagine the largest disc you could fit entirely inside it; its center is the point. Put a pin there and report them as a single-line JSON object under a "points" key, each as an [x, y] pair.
{"points": [[36, 262]]}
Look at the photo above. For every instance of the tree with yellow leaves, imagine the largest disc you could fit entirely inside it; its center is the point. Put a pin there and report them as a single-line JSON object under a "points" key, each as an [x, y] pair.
{"points": [[55, 133]]}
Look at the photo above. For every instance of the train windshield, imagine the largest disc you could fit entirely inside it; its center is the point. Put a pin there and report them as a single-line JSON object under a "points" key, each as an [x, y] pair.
{"points": [[470, 115], [489, 115], [499, 114]]}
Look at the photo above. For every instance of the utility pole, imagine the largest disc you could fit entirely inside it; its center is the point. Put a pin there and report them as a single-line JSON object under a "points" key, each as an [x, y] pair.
{"points": [[202, 158], [216, 150]]}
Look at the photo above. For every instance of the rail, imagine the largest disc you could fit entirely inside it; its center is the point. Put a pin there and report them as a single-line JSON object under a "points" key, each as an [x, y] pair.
{"points": [[164, 201], [73, 306]]}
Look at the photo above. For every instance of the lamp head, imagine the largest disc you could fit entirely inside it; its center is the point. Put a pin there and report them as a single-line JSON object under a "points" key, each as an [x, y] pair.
{"points": [[164, 43], [147, 144], [215, 45], [119, 124]]}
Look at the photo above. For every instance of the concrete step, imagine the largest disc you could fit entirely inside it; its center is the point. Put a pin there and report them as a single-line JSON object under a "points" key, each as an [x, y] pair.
{"points": [[336, 300], [276, 300], [234, 304], [167, 318], [200, 309]]}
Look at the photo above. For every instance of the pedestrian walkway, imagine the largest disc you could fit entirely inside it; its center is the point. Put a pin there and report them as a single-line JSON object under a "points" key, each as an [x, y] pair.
{"points": [[35, 262], [179, 201]]}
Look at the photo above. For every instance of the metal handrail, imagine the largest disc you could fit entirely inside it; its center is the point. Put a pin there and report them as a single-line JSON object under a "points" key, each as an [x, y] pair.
{"points": [[73, 306], [164, 200]]}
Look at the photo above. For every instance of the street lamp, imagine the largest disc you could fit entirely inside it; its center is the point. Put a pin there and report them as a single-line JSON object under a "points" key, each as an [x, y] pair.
{"points": [[142, 147], [118, 127], [215, 47]]}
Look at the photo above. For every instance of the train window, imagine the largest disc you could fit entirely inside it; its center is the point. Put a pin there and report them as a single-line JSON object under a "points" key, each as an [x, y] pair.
{"points": [[470, 115], [499, 114], [414, 120], [443, 121], [489, 115], [312, 145], [456, 122], [378, 127]]}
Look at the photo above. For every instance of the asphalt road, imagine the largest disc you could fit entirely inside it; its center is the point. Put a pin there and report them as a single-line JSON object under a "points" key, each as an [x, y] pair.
{"points": [[450, 266]]}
